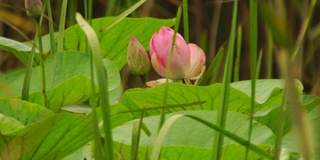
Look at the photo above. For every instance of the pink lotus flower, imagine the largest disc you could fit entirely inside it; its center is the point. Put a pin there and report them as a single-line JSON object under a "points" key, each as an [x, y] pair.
{"points": [[197, 61], [186, 59]]}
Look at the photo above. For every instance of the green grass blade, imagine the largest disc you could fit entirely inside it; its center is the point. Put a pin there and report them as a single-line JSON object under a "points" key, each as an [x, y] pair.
{"points": [[185, 20], [279, 133], [270, 54], [223, 108], [253, 61], [162, 107], [299, 120], [103, 85], [136, 130], [51, 29], [176, 27], [238, 58], [122, 16], [43, 69], [214, 66], [110, 9], [304, 28], [98, 148], [62, 25], [27, 77], [259, 65]]}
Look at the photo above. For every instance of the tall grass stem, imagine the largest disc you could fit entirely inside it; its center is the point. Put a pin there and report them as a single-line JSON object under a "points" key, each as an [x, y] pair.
{"points": [[253, 62], [165, 98], [102, 82], [51, 28], [42, 66], [238, 58], [185, 20], [223, 107], [62, 23]]}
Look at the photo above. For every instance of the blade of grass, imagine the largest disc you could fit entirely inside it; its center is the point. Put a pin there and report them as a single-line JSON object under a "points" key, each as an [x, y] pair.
{"points": [[214, 66], [164, 130], [185, 20], [111, 4], [103, 84], [223, 108], [162, 107], [62, 23], [136, 130], [299, 120], [27, 77], [43, 70], [304, 28], [51, 29], [122, 16], [238, 58], [253, 61], [214, 28], [279, 133], [259, 65], [300, 127], [128, 5], [270, 54], [165, 98], [98, 149]]}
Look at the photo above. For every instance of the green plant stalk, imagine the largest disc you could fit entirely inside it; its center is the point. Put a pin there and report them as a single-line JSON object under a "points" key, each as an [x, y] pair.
{"points": [[253, 62], [238, 58], [71, 12], [223, 108], [128, 5], [122, 16], [279, 133], [166, 90], [43, 71], [304, 28], [185, 20], [103, 84], [259, 65], [300, 126], [27, 77], [62, 23], [214, 65], [136, 130], [109, 11], [270, 54], [161, 136], [51, 29], [98, 148]]}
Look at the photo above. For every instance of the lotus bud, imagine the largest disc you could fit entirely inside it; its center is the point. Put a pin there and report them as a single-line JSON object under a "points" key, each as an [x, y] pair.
{"points": [[160, 47], [138, 60], [34, 8]]}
